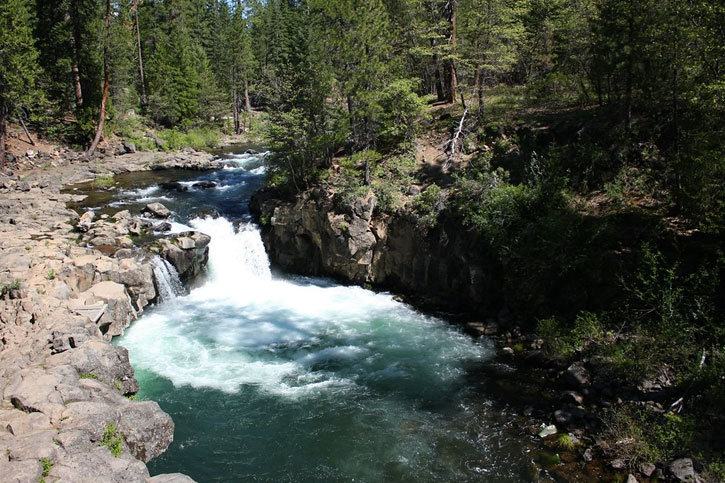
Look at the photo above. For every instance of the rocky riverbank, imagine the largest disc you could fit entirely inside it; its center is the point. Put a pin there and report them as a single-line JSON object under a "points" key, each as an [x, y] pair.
{"points": [[70, 283]]}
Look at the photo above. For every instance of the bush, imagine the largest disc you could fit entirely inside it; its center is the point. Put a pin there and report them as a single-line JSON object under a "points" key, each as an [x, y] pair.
{"points": [[638, 436], [199, 138], [428, 205]]}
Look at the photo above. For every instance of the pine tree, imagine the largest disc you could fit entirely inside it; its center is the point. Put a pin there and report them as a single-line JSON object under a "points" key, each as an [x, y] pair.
{"points": [[18, 58]]}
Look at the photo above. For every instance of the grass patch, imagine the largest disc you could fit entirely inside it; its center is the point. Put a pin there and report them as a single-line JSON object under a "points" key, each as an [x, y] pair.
{"points": [[112, 440], [51, 274], [47, 465], [89, 375], [564, 442], [103, 181]]}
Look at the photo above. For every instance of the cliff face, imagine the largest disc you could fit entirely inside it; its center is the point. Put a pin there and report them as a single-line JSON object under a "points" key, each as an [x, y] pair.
{"points": [[445, 265]]}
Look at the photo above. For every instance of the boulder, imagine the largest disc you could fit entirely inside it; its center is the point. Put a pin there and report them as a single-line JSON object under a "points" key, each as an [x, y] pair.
{"points": [[157, 210], [147, 429], [162, 227], [577, 376], [129, 147], [204, 185], [683, 469], [187, 252]]}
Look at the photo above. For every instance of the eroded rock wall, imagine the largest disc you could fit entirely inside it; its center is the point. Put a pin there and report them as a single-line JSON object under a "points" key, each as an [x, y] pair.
{"points": [[445, 265]]}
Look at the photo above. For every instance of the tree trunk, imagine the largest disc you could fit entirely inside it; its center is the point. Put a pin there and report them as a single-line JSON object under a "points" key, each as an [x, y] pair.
{"points": [[235, 100], [106, 84], [144, 99], [3, 129], [25, 130], [450, 67], [247, 103], [78, 89]]}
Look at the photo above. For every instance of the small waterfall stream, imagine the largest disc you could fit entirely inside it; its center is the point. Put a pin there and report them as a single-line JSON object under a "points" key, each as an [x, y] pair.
{"points": [[168, 283]]}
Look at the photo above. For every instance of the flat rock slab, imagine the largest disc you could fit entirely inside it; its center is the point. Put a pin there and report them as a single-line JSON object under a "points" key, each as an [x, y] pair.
{"points": [[94, 313]]}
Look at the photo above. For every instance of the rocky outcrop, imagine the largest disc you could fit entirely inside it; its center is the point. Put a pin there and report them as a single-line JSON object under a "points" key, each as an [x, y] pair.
{"points": [[313, 236], [188, 252]]}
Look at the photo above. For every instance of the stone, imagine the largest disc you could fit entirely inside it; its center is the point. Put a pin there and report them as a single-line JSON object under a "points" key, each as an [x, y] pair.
{"points": [[647, 469], [577, 375], [86, 221], [20, 471], [173, 186], [588, 456], [157, 210], [617, 464], [164, 226], [508, 351], [109, 364], [204, 185], [631, 479], [187, 252], [683, 469], [129, 147], [548, 431]]}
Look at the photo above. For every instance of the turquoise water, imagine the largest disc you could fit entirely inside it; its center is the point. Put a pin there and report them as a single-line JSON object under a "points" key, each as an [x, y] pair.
{"points": [[292, 379]]}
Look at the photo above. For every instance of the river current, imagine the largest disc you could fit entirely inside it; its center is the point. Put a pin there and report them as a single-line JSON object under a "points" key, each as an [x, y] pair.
{"points": [[276, 378]]}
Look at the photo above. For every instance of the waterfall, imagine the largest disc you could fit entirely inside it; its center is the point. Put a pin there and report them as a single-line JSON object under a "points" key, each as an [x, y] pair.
{"points": [[168, 284], [238, 262]]}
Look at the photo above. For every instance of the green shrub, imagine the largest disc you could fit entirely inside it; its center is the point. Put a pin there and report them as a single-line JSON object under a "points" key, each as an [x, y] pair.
{"points": [[428, 205], [88, 375], [639, 436]]}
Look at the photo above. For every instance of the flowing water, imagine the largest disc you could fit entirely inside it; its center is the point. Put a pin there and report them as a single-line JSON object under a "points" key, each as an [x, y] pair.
{"points": [[274, 378]]}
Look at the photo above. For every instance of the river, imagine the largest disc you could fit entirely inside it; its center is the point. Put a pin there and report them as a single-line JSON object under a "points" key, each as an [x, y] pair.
{"points": [[271, 377]]}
